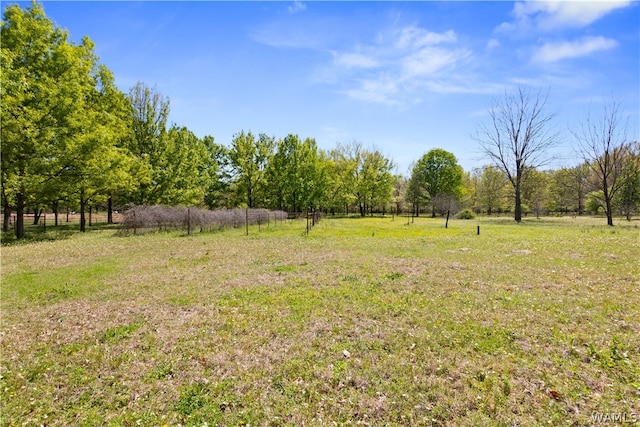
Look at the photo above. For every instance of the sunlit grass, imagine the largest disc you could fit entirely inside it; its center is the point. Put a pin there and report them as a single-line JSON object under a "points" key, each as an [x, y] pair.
{"points": [[367, 320]]}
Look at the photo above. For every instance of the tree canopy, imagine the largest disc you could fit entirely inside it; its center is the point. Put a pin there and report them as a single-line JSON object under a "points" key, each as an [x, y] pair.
{"points": [[437, 175], [71, 138]]}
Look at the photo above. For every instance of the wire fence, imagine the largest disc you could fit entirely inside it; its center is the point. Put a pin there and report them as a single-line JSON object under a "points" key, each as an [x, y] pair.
{"points": [[163, 218]]}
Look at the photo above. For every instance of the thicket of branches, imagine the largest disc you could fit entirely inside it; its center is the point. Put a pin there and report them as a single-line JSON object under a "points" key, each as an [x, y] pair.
{"points": [[195, 219]]}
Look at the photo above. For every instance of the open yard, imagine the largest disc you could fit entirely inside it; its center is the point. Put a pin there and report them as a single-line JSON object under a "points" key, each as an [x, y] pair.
{"points": [[365, 321]]}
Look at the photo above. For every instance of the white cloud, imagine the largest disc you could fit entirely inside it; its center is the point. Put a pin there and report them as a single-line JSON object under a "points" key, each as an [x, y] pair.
{"points": [[414, 37], [297, 6], [401, 66], [551, 15], [552, 52]]}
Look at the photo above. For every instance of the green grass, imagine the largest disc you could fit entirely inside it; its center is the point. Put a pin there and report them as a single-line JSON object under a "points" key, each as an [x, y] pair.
{"points": [[368, 321]]}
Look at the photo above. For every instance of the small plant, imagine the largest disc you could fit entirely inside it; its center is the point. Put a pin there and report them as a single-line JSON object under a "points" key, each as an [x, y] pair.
{"points": [[192, 398]]}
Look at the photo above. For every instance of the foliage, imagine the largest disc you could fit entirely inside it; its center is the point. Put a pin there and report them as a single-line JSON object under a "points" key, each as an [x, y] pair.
{"points": [[466, 214], [296, 175], [249, 158], [62, 116], [71, 139], [628, 199], [174, 166], [437, 175], [490, 189], [569, 188], [360, 178], [535, 191], [594, 202]]}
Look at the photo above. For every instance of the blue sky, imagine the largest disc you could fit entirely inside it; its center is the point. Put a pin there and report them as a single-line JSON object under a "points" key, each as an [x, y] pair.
{"points": [[403, 77]]}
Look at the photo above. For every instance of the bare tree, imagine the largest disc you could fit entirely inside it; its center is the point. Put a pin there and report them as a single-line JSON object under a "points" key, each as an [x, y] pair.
{"points": [[518, 137], [603, 144]]}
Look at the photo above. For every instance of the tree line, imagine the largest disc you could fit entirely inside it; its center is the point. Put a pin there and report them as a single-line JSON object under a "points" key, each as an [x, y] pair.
{"points": [[72, 139]]}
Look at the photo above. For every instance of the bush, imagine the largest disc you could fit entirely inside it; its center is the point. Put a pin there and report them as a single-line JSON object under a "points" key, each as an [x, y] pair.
{"points": [[466, 214]]}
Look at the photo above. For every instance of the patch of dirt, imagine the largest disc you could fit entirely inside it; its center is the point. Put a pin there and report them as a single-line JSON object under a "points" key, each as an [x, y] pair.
{"points": [[451, 251], [523, 252]]}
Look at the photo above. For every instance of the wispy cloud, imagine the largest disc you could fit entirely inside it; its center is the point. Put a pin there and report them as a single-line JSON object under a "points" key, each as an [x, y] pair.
{"points": [[297, 6], [549, 15], [557, 51], [400, 66], [415, 37]]}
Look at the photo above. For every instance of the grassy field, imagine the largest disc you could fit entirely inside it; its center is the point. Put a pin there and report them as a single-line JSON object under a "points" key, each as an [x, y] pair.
{"points": [[364, 321]]}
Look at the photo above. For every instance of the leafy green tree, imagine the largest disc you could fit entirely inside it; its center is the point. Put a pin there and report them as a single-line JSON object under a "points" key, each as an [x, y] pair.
{"points": [[375, 181], [98, 165], [57, 117], [364, 177], [414, 193], [148, 142], [296, 175], [628, 199], [535, 190], [399, 202], [249, 157], [569, 187], [219, 176], [594, 202], [437, 173], [490, 189], [468, 198], [342, 175], [180, 172]]}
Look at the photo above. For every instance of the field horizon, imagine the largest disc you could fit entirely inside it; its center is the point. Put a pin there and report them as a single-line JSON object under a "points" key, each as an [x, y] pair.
{"points": [[368, 321]]}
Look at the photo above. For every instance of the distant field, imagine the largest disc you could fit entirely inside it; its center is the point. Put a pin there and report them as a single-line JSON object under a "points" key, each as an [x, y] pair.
{"points": [[365, 321]]}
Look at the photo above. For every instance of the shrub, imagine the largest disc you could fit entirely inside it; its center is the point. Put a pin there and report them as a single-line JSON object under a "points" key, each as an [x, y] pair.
{"points": [[466, 214]]}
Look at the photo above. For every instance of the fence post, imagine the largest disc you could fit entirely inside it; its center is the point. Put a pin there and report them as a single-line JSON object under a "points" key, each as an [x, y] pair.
{"points": [[44, 222], [188, 220], [246, 221]]}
